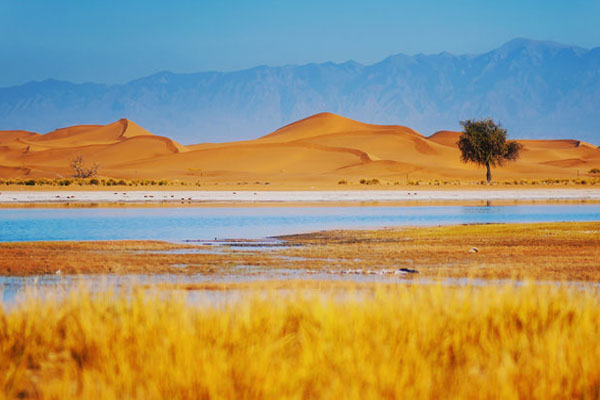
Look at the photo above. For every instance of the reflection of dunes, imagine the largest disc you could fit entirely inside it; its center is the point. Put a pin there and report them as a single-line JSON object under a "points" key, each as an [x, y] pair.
{"points": [[321, 148]]}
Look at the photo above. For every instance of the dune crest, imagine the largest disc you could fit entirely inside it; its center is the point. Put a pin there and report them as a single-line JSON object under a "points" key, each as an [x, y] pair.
{"points": [[322, 148], [326, 124], [446, 138]]}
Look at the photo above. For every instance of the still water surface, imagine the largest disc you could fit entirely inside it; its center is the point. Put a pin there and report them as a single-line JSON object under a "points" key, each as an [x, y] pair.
{"points": [[204, 223]]}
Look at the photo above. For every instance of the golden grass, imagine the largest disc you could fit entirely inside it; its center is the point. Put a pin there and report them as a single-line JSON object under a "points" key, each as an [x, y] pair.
{"points": [[389, 342]]}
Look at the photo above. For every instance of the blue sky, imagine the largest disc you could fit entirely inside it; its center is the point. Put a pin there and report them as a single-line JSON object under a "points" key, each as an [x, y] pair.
{"points": [[116, 41]]}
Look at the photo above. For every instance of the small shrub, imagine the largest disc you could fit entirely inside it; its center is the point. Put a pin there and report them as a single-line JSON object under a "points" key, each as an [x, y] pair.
{"points": [[595, 171], [29, 182], [343, 182], [80, 170], [94, 181], [373, 181]]}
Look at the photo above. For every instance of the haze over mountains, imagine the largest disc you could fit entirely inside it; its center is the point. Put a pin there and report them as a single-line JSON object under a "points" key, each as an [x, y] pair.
{"points": [[540, 90]]}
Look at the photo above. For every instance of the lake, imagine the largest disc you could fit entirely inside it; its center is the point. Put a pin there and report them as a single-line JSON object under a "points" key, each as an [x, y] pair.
{"points": [[209, 223]]}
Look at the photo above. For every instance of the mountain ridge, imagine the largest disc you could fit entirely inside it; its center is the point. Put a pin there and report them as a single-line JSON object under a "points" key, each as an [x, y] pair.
{"points": [[537, 89]]}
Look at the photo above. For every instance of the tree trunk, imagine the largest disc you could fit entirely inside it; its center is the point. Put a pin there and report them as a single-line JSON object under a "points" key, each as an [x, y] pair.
{"points": [[489, 173]]}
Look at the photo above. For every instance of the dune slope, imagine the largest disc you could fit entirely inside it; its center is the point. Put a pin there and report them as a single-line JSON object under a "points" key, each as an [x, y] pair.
{"points": [[321, 148]]}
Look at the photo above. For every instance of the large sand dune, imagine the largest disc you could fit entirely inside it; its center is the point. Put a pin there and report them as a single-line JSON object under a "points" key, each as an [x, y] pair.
{"points": [[323, 148]]}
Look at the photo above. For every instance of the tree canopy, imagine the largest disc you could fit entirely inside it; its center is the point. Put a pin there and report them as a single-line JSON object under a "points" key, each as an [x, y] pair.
{"points": [[483, 142]]}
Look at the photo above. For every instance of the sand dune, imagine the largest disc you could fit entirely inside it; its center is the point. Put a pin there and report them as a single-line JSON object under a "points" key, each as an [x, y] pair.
{"points": [[14, 136], [326, 124], [323, 148], [446, 138]]}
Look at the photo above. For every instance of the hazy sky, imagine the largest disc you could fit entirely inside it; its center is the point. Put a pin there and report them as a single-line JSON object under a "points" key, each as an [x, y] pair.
{"points": [[115, 41]]}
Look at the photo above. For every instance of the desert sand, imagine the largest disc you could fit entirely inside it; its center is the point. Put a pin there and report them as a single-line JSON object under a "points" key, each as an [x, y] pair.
{"points": [[322, 149]]}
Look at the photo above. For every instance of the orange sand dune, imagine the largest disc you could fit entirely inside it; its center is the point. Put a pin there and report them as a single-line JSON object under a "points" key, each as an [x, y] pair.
{"points": [[27, 154], [446, 138], [13, 136], [89, 134], [323, 148], [328, 123]]}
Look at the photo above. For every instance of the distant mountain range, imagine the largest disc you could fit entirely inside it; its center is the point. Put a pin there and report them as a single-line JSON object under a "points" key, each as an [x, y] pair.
{"points": [[535, 89]]}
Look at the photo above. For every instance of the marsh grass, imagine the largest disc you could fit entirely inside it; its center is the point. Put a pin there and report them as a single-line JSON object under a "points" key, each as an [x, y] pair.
{"points": [[383, 342], [540, 251]]}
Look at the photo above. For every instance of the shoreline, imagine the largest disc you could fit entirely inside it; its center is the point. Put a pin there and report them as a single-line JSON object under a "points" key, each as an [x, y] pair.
{"points": [[294, 198]]}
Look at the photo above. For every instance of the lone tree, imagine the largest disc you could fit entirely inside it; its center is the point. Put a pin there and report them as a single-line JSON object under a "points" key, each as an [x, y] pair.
{"points": [[80, 170], [484, 143]]}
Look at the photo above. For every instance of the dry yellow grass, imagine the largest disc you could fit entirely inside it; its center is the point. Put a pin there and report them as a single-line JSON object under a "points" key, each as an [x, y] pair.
{"points": [[542, 251], [388, 342]]}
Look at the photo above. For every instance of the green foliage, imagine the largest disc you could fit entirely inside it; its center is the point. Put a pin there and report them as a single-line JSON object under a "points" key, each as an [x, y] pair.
{"points": [[483, 142]]}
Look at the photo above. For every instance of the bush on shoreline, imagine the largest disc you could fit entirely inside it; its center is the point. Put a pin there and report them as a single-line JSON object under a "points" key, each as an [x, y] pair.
{"points": [[107, 182], [90, 182]]}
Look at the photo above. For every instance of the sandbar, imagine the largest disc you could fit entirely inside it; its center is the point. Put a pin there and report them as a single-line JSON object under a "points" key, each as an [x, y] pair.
{"points": [[371, 197]]}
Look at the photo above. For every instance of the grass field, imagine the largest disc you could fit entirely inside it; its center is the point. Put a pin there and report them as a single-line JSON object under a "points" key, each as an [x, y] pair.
{"points": [[369, 342]]}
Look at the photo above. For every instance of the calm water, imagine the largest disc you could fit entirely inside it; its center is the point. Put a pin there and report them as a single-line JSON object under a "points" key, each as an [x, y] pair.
{"points": [[176, 224]]}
